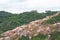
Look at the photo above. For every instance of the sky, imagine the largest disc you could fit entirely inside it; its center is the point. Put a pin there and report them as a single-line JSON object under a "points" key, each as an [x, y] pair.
{"points": [[19, 6]]}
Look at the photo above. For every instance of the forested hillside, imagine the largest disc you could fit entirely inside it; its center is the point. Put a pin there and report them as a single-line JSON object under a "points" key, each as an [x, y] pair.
{"points": [[9, 21], [53, 20]]}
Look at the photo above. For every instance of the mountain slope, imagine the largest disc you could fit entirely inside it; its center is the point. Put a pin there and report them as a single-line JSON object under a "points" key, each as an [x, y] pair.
{"points": [[33, 29], [53, 20], [10, 21]]}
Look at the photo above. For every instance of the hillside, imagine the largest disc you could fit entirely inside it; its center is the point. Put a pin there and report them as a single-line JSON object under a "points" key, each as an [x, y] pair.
{"points": [[35, 30], [4, 15], [10, 21], [53, 20]]}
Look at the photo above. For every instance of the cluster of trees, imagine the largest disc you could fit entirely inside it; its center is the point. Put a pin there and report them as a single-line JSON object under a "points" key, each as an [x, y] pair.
{"points": [[10, 21]]}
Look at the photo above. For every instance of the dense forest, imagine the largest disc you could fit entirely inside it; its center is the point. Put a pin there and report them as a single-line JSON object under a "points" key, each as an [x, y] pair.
{"points": [[9, 21]]}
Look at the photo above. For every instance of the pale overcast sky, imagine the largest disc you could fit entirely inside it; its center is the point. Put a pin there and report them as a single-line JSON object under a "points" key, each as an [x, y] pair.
{"points": [[18, 6]]}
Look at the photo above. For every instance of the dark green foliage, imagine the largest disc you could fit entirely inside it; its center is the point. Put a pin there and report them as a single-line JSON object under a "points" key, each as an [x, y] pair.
{"points": [[24, 38], [55, 36], [39, 37]]}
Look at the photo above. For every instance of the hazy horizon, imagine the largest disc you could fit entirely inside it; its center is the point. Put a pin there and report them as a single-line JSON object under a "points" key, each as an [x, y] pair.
{"points": [[19, 6]]}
